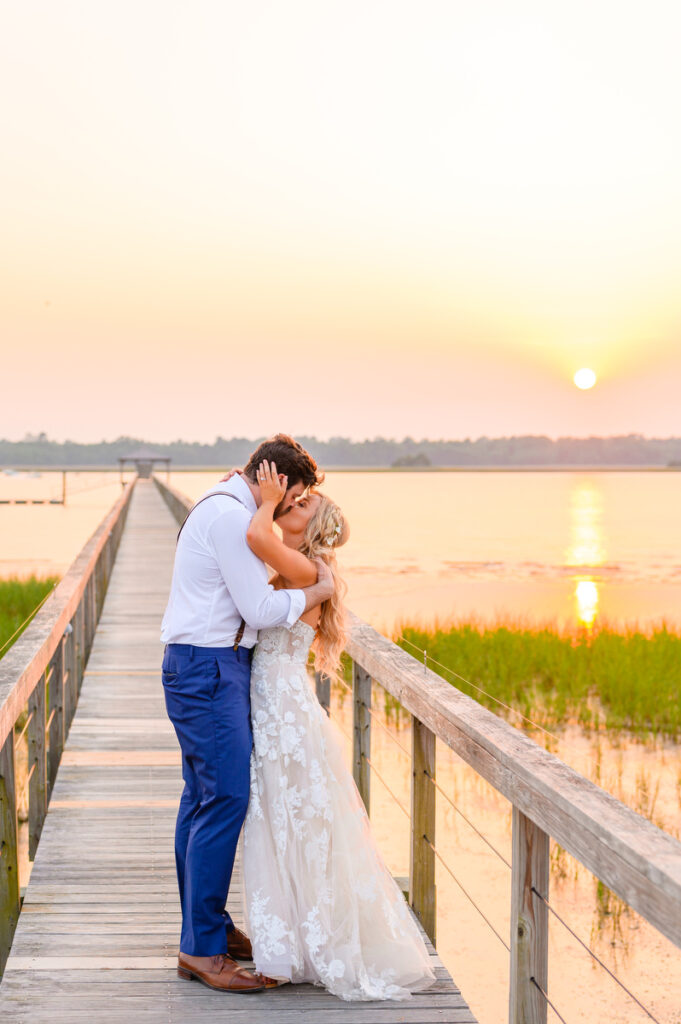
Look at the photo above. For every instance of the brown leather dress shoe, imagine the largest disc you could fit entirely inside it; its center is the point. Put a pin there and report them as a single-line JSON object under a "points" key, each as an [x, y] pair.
{"points": [[239, 945], [219, 972], [271, 982]]}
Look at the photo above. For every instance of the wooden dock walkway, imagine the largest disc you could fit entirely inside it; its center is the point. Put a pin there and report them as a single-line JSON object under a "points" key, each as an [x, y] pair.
{"points": [[98, 932]]}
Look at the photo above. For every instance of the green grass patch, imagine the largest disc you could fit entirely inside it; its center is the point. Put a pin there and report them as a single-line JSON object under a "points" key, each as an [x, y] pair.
{"points": [[18, 600], [603, 678]]}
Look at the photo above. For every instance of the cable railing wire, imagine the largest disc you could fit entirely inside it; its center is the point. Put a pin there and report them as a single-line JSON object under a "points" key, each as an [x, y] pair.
{"points": [[594, 955], [437, 853], [465, 818], [386, 730], [433, 848], [92, 487], [535, 725], [466, 893], [439, 788], [377, 719], [377, 773], [446, 866], [407, 753], [379, 776], [537, 985]]}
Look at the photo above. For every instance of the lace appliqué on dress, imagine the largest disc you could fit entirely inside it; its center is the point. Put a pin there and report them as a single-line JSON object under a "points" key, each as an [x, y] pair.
{"points": [[320, 904]]}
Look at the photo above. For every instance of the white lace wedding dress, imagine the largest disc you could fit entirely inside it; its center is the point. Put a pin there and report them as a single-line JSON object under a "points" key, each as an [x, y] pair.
{"points": [[319, 902]]}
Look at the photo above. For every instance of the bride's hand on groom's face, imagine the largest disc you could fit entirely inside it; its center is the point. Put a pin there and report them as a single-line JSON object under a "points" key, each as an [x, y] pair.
{"points": [[272, 486]]}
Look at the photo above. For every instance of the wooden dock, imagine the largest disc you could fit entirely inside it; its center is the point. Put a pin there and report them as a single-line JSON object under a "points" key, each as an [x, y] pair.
{"points": [[98, 931]]}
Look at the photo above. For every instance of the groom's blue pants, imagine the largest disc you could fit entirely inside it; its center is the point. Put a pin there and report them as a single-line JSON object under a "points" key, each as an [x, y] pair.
{"points": [[207, 693]]}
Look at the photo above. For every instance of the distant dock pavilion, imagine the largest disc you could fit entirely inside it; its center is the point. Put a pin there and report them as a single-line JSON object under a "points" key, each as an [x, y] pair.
{"points": [[144, 460]]}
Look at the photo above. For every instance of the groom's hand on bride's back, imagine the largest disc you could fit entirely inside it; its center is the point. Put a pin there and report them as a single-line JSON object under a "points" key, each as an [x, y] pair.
{"points": [[324, 577], [323, 589]]}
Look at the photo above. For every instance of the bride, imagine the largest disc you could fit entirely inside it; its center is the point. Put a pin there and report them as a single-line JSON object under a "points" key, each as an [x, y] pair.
{"points": [[320, 904]]}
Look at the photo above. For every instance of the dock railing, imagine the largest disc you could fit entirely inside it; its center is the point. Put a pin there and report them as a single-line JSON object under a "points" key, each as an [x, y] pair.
{"points": [[41, 675], [636, 860]]}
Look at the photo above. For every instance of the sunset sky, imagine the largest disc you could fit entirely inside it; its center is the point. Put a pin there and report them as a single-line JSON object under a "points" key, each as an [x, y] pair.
{"points": [[340, 218]]}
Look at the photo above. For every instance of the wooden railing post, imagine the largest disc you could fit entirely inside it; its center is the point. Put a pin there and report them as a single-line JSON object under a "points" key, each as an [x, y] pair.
{"points": [[322, 685], [422, 857], [37, 767], [9, 868], [361, 731], [79, 634], [56, 713], [70, 677], [86, 604], [94, 582], [529, 922]]}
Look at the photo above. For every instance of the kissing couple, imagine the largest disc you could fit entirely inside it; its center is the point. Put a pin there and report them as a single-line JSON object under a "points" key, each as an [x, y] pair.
{"points": [[259, 752]]}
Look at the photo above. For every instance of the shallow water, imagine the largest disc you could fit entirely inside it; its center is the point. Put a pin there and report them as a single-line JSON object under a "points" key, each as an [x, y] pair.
{"points": [[45, 539], [581, 990], [563, 547]]}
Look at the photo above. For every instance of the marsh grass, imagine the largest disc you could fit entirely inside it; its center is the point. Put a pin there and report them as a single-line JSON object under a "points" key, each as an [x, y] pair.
{"points": [[18, 599], [601, 678]]}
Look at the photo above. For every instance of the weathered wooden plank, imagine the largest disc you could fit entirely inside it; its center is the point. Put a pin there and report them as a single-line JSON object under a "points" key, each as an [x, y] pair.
{"points": [[30, 655], [422, 857], [361, 732], [241, 1009], [9, 868], [56, 735], [37, 765], [529, 922], [115, 904]]}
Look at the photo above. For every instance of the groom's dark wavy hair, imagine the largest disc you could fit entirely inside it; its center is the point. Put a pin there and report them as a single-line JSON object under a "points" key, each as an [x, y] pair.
{"points": [[291, 459]]}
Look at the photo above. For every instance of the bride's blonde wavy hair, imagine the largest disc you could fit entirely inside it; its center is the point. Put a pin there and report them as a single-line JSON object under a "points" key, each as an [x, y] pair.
{"points": [[326, 530]]}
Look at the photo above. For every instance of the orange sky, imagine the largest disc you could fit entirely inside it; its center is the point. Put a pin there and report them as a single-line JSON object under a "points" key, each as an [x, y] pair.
{"points": [[352, 218]]}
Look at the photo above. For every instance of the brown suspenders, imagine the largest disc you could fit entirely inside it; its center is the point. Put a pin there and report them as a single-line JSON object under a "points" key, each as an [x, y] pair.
{"points": [[240, 632]]}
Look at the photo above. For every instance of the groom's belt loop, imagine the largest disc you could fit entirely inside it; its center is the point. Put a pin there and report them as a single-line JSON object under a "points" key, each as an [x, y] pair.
{"points": [[240, 632]]}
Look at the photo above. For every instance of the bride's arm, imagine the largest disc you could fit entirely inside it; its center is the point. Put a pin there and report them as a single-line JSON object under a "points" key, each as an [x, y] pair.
{"points": [[296, 568]]}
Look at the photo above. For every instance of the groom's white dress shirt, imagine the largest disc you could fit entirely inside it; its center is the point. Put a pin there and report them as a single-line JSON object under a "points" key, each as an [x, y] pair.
{"points": [[218, 580]]}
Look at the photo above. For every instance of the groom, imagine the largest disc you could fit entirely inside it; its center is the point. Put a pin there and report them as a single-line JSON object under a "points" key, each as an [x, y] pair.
{"points": [[219, 599]]}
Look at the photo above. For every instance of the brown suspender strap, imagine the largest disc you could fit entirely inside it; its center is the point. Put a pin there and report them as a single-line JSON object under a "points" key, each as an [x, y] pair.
{"points": [[240, 632], [239, 636]]}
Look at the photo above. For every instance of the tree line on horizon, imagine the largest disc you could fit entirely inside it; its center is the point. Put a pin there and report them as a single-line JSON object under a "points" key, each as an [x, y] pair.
{"points": [[524, 450]]}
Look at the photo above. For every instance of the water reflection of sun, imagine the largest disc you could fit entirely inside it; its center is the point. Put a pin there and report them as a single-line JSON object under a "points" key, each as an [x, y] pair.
{"points": [[586, 547], [586, 599]]}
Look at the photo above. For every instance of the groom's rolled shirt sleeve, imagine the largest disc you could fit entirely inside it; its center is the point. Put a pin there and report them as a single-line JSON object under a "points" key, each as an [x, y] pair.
{"points": [[259, 604]]}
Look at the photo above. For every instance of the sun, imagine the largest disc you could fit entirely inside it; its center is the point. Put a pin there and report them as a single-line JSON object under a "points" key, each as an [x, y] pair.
{"points": [[584, 378]]}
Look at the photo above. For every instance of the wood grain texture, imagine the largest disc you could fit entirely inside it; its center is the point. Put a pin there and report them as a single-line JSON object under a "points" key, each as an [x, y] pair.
{"points": [[37, 764], [98, 934], [529, 922], [361, 733], [9, 868], [634, 858], [29, 656], [56, 715], [422, 856]]}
